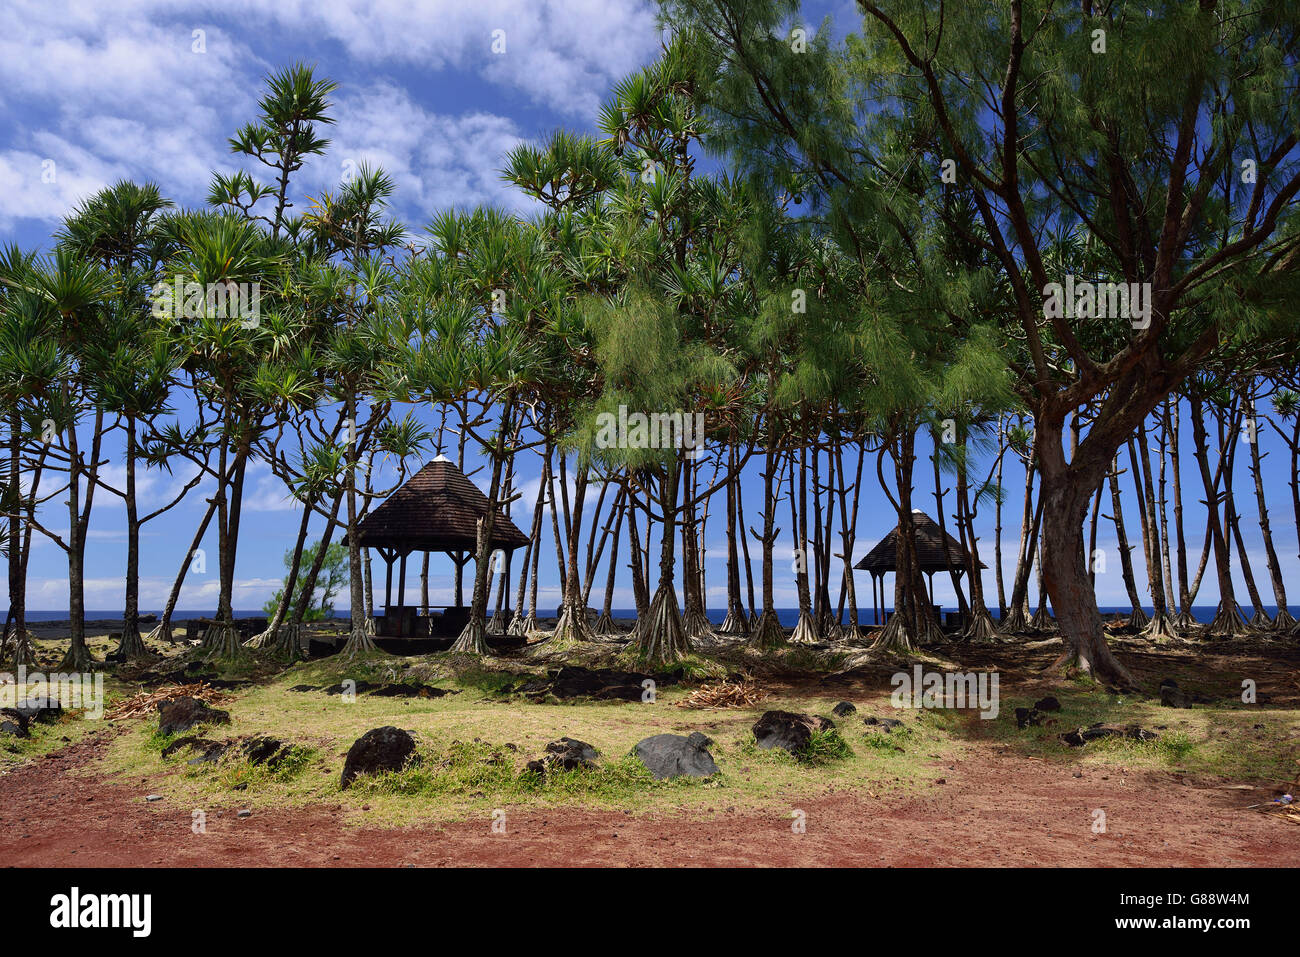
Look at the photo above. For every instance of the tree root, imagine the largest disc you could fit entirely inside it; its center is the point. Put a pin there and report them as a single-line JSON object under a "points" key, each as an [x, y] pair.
{"points": [[805, 630], [472, 639], [360, 642], [1283, 623], [222, 642], [661, 638], [1228, 622], [570, 630], [1015, 621], [1260, 621], [23, 652], [288, 642], [734, 623], [1162, 629], [895, 637], [982, 627], [766, 632], [697, 626], [131, 648], [851, 634]]}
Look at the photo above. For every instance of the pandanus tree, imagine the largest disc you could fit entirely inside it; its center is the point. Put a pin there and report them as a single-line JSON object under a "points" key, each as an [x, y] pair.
{"points": [[1286, 423], [351, 232], [959, 439], [280, 140], [31, 366], [241, 348], [1183, 165], [569, 175], [497, 366], [1255, 432], [475, 300], [316, 475], [78, 292], [677, 232], [124, 230], [648, 362]]}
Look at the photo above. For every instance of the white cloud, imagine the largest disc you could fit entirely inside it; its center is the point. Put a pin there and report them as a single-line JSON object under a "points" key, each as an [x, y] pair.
{"points": [[563, 54], [435, 161]]}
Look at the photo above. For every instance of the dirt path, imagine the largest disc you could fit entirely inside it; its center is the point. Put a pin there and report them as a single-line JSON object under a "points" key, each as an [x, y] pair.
{"points": [[992, 809]]}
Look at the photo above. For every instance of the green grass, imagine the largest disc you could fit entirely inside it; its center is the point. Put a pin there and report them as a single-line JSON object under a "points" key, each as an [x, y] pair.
{"points": [[1220, 741], [474, 745], [468, 768]]}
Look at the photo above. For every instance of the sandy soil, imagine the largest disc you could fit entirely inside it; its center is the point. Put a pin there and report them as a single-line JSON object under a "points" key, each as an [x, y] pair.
{"points": [[992, 809]]}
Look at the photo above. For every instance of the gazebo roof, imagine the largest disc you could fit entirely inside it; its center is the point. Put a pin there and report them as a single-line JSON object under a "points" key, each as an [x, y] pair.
{"points": [[436, 510], [934, 549]]}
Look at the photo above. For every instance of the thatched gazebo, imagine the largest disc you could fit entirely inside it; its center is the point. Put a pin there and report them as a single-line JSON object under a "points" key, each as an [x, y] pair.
{"points": [[936, 551], [436, 510]]}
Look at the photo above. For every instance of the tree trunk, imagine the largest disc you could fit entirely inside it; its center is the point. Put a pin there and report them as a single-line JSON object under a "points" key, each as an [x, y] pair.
{"points": [[1064, 492], [132, 646], [662, 638]]}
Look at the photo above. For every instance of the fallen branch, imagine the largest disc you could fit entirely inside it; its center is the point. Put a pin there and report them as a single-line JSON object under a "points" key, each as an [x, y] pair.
{"points": [[146, 702]]}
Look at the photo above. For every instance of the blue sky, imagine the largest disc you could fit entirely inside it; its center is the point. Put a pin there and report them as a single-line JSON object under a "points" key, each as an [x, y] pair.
{"points": [[150, 89]]}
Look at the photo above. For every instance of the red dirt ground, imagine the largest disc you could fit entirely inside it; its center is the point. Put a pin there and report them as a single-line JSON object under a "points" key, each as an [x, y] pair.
{"points": [[991, 810]]}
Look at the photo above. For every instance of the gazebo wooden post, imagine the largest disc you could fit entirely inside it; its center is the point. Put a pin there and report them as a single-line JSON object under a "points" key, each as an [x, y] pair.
{"points": [[401, 581], [388, 578]]}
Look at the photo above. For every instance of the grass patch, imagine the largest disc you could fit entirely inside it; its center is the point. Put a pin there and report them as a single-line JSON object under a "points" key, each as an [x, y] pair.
{"points": [[1241, 742], [825, 746], [468, 767], [478, 770]]}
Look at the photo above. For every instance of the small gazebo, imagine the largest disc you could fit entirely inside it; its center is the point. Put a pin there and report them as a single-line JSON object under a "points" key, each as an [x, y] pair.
{"points": [[936, 551], [436, 510]]}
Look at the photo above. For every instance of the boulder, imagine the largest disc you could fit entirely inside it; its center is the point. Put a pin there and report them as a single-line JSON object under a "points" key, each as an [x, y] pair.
{"points": [[788, 730], [1028, 717], [569, 754], [13, 722], [264, 750], [208, 750], [1078, 738], [675, 755], [844, 709], [602, 684], [1172, 696], [339, 688], [181, 714], [382, 749], [884, 724], [409, 691], [45, 710]]}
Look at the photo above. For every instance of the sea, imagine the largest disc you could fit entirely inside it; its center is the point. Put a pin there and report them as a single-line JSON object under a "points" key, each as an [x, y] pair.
{"points": [[787, 616]]}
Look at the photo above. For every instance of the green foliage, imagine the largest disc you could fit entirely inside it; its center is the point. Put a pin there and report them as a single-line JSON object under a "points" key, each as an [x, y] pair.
{"points": [[331, 580]]}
